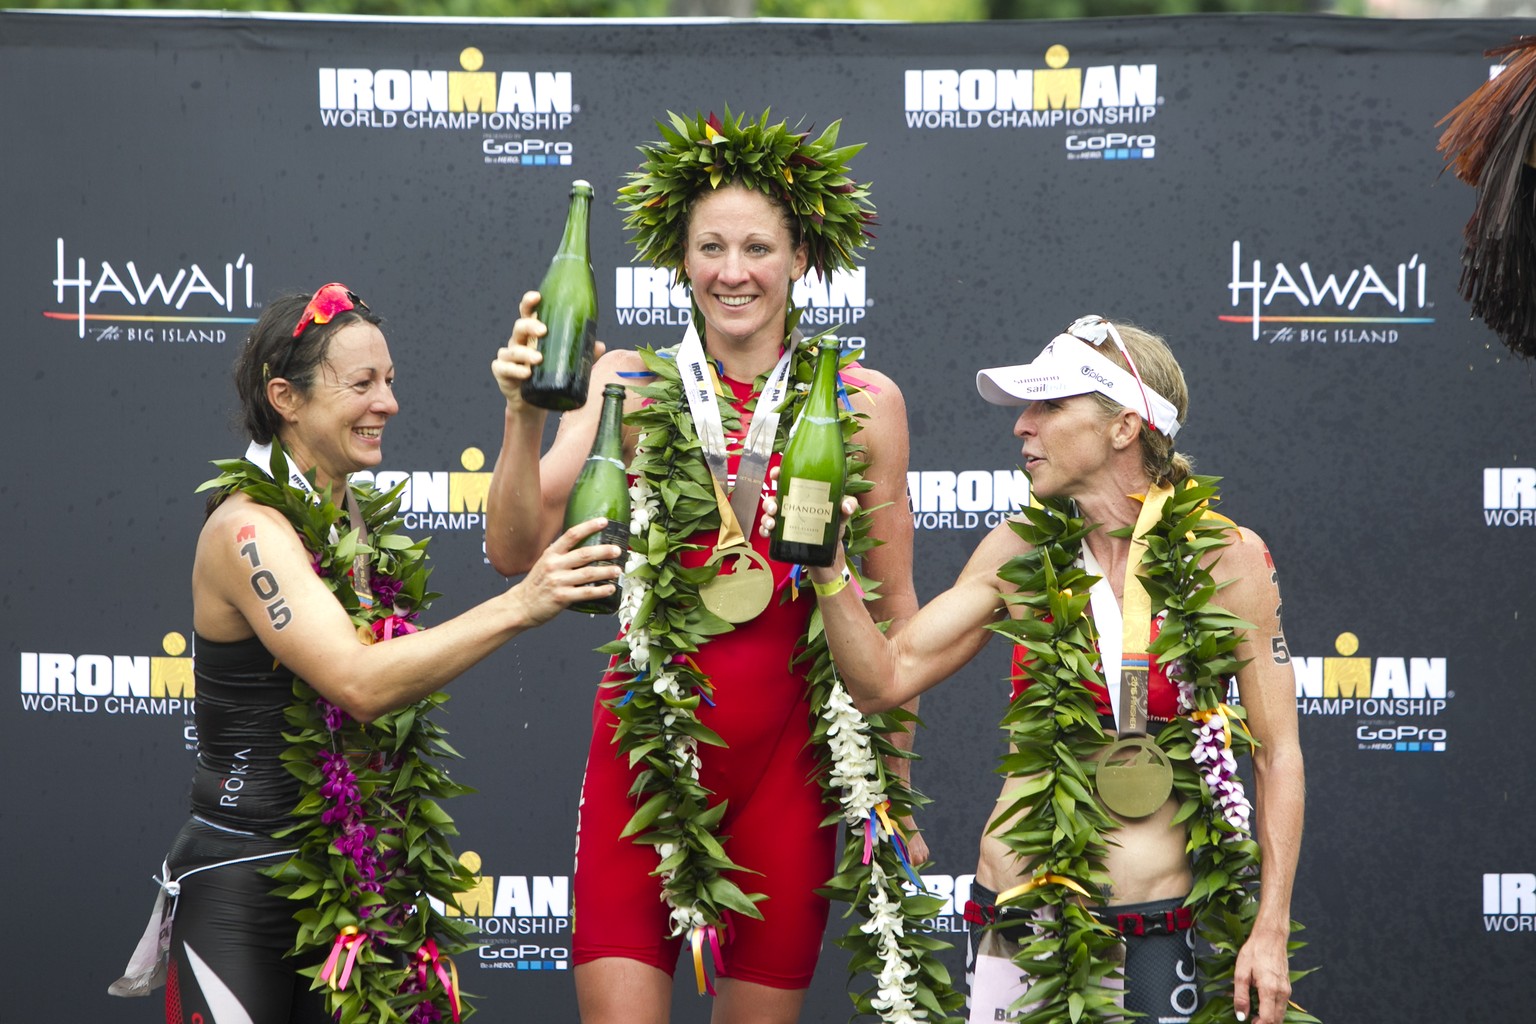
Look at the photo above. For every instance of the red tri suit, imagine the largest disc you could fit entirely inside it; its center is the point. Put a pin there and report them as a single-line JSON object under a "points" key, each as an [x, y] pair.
{"points": [[1162, 693], [767, 773]]}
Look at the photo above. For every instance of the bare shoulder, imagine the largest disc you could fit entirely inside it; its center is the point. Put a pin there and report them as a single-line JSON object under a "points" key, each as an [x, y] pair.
{"points": [[878, 399], [1246, 556], [578, 426], [873, 389], [238, 521], [233, 514], [997, 548], [616, 361]]}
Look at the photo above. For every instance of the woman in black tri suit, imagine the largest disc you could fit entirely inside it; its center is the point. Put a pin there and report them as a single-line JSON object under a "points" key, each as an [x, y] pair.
{"points": [[314, 376]]}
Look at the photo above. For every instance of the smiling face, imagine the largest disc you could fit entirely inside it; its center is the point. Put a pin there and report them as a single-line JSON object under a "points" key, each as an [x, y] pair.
{"points": [[1068, 444], [338, 427], [741, 261]]}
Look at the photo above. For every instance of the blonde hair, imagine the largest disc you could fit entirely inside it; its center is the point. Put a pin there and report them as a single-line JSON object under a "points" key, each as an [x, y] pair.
{"points": [[1160, 371]]}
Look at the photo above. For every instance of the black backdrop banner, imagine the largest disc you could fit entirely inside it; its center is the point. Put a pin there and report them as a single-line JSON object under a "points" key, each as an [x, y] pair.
{"points": [[1262, 190]]}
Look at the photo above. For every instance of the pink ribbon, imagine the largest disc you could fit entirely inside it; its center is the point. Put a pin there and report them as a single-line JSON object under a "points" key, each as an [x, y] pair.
{"points": [[350, 939], [427, 958], [391, 626], [696, 940]]}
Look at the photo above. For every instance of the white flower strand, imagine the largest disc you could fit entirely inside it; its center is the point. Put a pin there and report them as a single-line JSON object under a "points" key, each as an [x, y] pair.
{"points": [[895, 984], [681, 749], [854, 770], [855, 773]]}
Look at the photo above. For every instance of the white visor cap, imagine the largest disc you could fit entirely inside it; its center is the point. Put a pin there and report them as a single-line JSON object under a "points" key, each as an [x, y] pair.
{"points": [[1069, 366]]}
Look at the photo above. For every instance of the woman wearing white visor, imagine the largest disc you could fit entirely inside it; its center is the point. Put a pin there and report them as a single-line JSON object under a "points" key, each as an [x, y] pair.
{"points": [[1123, 832]]}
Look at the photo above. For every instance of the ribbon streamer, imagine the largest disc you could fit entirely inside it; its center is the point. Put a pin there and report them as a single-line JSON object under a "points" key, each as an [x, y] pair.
{"points": [[428, 958], [796, 579], [696, 939], [898, 842], [391, 626], [1226, 714], [351, 940], [1036, 882], [881, 825]]}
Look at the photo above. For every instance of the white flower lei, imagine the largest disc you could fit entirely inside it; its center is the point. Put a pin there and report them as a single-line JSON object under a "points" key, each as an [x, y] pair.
{"points": [[682, 749]]}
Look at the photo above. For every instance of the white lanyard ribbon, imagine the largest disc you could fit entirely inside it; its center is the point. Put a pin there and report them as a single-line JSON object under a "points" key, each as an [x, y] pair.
{"points": [[1107, 622], [260, 455], [757, 449]]}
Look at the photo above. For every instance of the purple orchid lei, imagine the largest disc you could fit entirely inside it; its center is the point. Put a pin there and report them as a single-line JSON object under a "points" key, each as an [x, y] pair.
{"points": [[355, 838]]}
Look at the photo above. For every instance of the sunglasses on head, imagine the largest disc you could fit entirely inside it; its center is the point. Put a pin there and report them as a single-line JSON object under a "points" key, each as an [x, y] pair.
{"points": [[1096, 330], [330, 300]]}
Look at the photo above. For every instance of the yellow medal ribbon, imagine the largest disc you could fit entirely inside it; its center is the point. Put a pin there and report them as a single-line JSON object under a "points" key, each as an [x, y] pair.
{"points": [[730, 527], [1136, 618]]}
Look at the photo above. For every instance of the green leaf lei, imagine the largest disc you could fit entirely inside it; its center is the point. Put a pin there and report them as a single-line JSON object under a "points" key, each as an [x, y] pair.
{"points": [[699, 154], [1054, 732], [373, 862], [659, 729]]}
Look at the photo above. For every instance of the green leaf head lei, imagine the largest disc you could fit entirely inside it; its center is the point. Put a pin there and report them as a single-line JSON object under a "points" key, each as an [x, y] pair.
{"points": [[373, 867], [698, 154]]}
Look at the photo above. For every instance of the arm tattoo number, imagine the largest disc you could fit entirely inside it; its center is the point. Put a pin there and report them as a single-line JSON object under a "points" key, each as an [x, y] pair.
{"points": [[1281, 653], [266, 588]]}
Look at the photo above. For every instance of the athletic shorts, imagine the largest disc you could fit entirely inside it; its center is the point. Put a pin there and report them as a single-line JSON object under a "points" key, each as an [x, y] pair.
{"points": [[1157, 949], [774, 826], [230, 936]]}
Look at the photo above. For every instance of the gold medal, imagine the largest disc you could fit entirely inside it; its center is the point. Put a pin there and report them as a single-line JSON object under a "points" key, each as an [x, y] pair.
{"points": [[741, 594], [1135, 777]]}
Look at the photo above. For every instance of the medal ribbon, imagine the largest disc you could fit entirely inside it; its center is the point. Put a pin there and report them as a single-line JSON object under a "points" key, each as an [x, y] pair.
{"points": [[700, 387], [1136, 621]]}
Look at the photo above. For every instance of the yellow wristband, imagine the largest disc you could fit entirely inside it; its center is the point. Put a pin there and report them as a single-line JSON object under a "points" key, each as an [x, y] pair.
{"points": [[828, 589]]}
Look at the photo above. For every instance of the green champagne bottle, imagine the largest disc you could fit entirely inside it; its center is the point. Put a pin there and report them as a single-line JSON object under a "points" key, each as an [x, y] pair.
{"points": [[568, 308], [602, 489], [813, 474]]}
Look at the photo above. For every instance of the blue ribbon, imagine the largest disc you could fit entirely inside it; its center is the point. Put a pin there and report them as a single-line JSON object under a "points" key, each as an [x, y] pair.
{"points": [[900, 846]]}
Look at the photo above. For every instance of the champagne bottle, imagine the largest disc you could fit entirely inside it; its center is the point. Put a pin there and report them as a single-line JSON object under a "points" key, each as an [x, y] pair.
{"points": [[568, 308], [602, 489], [813, 474]]}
